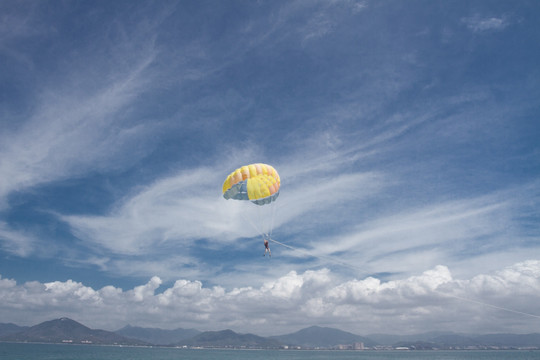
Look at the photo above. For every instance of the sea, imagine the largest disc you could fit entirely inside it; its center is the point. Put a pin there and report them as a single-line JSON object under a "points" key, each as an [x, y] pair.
{"points": [[19, 351]]}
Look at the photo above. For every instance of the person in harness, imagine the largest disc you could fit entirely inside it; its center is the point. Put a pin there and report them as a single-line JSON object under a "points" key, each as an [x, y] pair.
{"points": [[266, 248]]}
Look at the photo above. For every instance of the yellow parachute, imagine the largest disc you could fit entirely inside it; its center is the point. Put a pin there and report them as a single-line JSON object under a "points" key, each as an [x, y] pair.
{"points": [[258, 183]]}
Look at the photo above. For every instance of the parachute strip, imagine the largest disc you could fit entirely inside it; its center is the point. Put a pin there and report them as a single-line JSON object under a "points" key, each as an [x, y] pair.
{"points": [[258, 183]]}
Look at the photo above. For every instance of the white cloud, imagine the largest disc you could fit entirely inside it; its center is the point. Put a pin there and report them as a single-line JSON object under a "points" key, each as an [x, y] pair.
{"points": [[467, 234], [480, 24], [327, 186], [83, 120], [188, 206], [293, 301], [322, 22], [178, 209], [16, 242], [70, 133]]}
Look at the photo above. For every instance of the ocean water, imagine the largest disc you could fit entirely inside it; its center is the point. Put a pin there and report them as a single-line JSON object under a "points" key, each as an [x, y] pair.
{"points": [[92, 352]]}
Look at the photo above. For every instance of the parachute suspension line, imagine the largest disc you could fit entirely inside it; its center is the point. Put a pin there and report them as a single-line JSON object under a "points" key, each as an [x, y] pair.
{"points": [[264, 216], [287, 246], [322, 257], [263, 219], [257, 220], [250, 221], [489, 305], [273, 208]]}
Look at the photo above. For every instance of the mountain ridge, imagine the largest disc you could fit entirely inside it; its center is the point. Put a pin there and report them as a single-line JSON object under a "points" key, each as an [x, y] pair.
{"points": [[157, 336], [10, 328], [230, 339], [322, 337], [65, 330]]}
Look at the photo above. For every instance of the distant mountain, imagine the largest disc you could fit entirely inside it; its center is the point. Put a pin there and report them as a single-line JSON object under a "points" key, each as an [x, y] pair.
{"points": [[386, 339], [322, 337], [230, 339], [453, 340], [157, 336], [510, 340], [6, 329], [461, 341], [65, 330]]}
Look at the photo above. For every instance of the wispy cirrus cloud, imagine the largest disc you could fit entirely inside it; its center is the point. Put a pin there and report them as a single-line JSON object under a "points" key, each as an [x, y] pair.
{"points": [[16, 242], [72, 133], [443, 232], [176, 212], [174, 209], [480, 24], [83, 117]]}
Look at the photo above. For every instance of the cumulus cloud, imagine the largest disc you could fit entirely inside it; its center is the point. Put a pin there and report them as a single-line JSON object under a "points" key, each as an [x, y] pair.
{"points": [[417, 303]]}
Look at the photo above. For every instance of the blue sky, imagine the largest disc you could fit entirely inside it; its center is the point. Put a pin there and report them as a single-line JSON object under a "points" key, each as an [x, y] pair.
{"points": [[405, 134]]}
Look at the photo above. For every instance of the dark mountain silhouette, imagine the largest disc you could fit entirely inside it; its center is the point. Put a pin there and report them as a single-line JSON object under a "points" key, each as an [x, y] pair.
{"points": [[6, 329], [65, 330], [157, 336], [229, 339], [322, 337]]}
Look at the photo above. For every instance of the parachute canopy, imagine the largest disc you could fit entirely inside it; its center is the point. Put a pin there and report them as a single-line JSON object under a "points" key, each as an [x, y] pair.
{"points": [[258, 183]]}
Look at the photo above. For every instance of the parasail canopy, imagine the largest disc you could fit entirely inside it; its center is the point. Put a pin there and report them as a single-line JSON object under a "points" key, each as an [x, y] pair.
{"points": [[258, 183]]}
